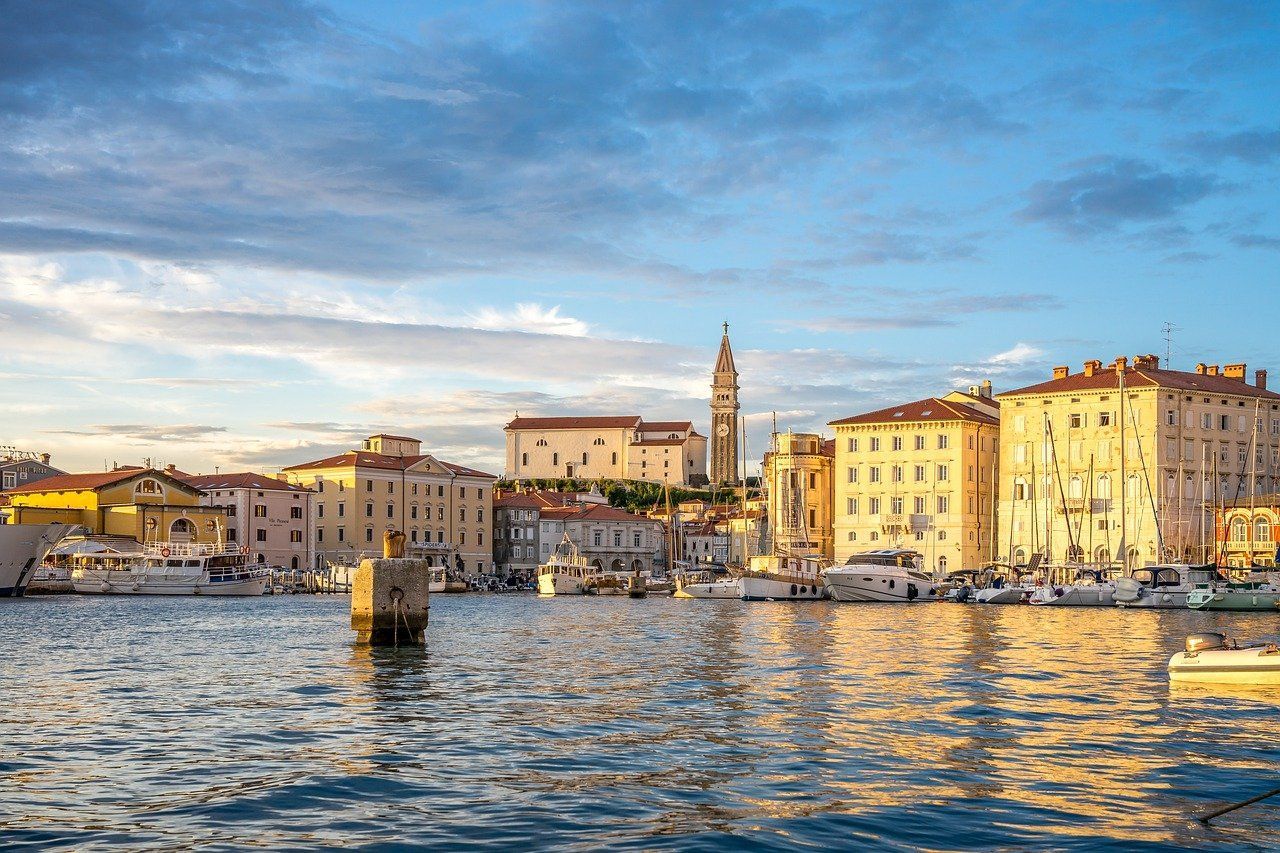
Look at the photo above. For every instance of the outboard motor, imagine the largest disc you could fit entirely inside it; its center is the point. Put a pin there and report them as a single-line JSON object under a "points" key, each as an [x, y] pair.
{"points": [[1205, 641]]}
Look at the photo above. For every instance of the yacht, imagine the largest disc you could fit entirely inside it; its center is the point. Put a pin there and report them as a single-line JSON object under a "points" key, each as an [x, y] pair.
{"points": [[174, 568], [1224, 595], [567, 572], [23, 548], [1164, 587], [1089, 588], [706, 584], [772, 577], [887, 575]]}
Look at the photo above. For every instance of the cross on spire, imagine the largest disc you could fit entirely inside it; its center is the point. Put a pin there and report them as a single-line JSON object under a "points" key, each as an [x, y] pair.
{"points": [[726, 327]]}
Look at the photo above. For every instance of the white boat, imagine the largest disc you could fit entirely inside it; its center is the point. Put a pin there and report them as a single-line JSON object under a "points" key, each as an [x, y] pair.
{"points": [[886, 575], [706, 584], [782, 578], [1090, 588], [173, 568], [23, 548], [1234, 596], [567, 572], [1213, 658], [1010, 594], [1164, 587]]}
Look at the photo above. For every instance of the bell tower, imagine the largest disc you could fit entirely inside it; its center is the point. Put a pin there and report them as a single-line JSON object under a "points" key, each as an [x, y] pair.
{"points": [[724, 415]]}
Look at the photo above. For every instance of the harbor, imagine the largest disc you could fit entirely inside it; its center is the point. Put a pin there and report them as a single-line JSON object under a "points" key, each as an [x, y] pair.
{"points": [[609, 722]]}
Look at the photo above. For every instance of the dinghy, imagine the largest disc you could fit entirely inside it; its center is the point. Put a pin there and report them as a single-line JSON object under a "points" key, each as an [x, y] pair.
{"points": [[1214, 658]]}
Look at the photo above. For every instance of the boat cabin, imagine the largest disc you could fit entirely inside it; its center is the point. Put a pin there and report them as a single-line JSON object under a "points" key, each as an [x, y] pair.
{"points": [[1159, 577], [900, 557]]}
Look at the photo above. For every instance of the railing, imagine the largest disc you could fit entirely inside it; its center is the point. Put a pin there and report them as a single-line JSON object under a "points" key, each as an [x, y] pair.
{"points": [[189, 549]]}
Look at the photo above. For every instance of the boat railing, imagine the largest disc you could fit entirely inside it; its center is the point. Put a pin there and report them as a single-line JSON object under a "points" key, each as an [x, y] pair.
{"points": [[190, 549]]}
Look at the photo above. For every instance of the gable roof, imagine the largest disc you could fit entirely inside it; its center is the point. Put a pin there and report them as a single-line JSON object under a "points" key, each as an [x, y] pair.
{"points": [[608, 422], [369, 459], [242, 480], [666, 426], [95, 481], [1146, 377], [591, 512], [930, 409]]}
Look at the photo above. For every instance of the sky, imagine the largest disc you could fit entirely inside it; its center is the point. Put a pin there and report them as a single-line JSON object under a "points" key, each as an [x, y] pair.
{"points": [[246, 235]]}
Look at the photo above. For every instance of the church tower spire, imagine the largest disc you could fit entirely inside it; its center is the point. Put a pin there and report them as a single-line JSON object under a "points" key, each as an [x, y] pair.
{"points": [[724, 415]]}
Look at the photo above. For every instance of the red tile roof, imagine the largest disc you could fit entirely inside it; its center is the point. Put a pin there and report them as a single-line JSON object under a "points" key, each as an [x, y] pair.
{"points": [[369, 459], [622, 422], [241, 480], [531, 500], [1146, 377], [658, 442], [666, 426], [930, 409], [92, 482], [591, 512]]}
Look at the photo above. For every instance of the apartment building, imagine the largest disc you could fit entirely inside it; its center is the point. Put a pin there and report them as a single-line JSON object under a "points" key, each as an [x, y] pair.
{"points": [[271, 517], [799, 483]]}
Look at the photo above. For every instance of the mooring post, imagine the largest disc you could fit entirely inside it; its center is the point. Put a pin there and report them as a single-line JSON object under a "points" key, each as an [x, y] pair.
{"points": [[390, 600]]}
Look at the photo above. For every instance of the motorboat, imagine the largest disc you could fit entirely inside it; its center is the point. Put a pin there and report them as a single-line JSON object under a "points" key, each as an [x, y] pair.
{"points": [[707, 583], [1089, 588], [775, 577], [567, 572], [174, 568], [887, 575], [23, 548], [1214, 658], [1234, 596], [1163, 586]]}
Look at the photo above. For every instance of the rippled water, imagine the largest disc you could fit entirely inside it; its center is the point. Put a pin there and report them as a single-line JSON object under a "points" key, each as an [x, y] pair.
{"points": [[583, 723]]}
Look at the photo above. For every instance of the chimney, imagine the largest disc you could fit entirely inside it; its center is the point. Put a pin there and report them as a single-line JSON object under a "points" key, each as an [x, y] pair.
{"points": [[170, 468], [1146, 362], [1122, 363], [1259, 379], [986, 388], [1234, 371], [1092, 367], [1202, 368], [974, 391], [1061, 372], [44, 457], [1211, 370]]}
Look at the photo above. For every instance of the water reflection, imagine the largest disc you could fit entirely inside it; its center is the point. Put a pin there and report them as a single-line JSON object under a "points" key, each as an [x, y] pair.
{"points": [[586, 723]]}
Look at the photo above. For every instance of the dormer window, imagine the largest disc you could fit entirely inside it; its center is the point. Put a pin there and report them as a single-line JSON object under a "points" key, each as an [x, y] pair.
{"points": [[148, 487]]}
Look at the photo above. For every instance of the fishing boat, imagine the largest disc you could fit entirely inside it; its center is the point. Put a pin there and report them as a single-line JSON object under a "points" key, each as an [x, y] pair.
{"points": [[1214, 658], [23, 548], [174, 568], [1163, 587], [706, 584], [567, 572], [771, 577], [1089, 588], [885, 575]]}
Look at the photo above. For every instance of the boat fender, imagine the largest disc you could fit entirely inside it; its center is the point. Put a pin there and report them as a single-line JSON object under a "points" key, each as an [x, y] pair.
{"points": [[105, 587], [1057, 592], [793, 589], [912, 592]]}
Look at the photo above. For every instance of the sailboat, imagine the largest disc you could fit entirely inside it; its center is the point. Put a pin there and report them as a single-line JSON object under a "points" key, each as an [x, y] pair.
{"points": [[783, 574]]}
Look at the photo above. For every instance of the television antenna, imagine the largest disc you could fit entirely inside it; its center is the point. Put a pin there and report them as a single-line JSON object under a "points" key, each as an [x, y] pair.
{"points": [[1167, 331]]}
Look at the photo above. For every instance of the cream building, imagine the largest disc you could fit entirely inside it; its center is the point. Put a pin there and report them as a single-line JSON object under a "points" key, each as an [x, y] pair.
{"points": [[798, 477], [1095, 472], [920, 476], [618, 448], [271, 517], [389, 484]]}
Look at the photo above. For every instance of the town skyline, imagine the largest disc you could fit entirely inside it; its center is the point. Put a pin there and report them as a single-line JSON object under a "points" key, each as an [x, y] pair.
{"points": [[345, 219]]}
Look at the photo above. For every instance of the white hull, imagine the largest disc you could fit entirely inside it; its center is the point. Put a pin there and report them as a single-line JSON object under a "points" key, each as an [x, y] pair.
{"points": [[752, 588], [714, 589], [1004, 595], [1257, 665], [22, 548], [1095, 595], [1162, 600], [1234, 599], [137, 583], [863, 586], [558, 584]]}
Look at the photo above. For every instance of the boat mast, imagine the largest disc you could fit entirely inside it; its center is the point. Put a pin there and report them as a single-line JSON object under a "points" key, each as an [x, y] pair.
{"points": [[743, 425], [1253, 476], [992, 490], [1204, 549], [1124, 478], [1062, 492]]}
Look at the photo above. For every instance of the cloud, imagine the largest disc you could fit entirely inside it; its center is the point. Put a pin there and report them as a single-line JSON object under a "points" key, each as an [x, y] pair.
{"points": [[1256, 241], [1102, 195], [1256, 147], [886, 311], [147, 433], [530, 317]]}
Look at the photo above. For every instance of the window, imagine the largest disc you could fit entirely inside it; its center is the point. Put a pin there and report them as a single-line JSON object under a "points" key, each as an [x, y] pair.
{"points": [[919, 505], [919, 442], [148, 487], [613, 459], [1020, 492], [635, 539], [875, 474], [462, 537], [555, 458], [1104, 419], [440, 513], [231, 510], [10, 480], [1171, 417], [1019, 423], [440, 490], [942, 472], [259, 510], [462, 513], [851, 506], [295, 535], [895, 505], [853, 475], [368, 510], [391, 510], [853, 536], [319, 510], [342, 534], [368, 534], [873, 506], [261, 535], [391, 488], [524, 458], [944, 504], [1075, 421], [920, 474], [897, 442], [231, 534], [480, 514], [944, 442], [413, 511], [896, 473], [295, 512], [617, 538], [368, 485], [875, 444], [479, 537], [853, 445], [596, 538], [320, 534], [584, 458]]}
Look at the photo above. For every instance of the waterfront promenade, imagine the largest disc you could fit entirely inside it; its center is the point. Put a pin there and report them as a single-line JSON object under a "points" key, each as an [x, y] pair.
{"points": [[580, 723]]}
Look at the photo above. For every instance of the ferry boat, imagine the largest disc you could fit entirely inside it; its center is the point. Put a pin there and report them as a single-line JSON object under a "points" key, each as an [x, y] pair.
{"points": [[886, 575], [772, 577], [174, 568], [23, 548], [1164, 587], [567, 572]]}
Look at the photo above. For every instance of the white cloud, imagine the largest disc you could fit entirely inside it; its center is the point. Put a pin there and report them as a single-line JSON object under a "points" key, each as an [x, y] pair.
{"points": [[529, 317]]}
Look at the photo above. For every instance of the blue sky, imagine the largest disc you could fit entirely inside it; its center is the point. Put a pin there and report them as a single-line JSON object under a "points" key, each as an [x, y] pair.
{"points": [[245, 235]]}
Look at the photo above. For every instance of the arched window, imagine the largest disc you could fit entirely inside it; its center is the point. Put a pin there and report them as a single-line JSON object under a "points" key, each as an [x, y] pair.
{"points": [[1133, 487], [1102, 555], [182, 530], [1239, 530], [1262, 530], [1104, 487], [524, 458], [584, 458], [942, 565], [148, 487], [1020, 557], [599, 442], [1020, 489], [1075, 489], [542, 442], [614, 459], [942, 534], [555, 458]]}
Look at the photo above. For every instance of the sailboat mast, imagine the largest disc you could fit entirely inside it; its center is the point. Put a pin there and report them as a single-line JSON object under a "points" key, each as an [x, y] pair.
{"points": [[1253, 476], [1124, 479]]}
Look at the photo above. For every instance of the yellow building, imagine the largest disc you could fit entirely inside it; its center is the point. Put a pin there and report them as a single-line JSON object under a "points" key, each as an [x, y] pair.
{"points": [[618, 448], [801, 490], [1117, 464], [148, 505], [389, 484], [920, 476]]}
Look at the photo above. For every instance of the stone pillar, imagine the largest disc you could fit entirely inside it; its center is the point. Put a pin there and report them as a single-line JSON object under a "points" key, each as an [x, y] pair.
{"points": [[390, 601]]}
